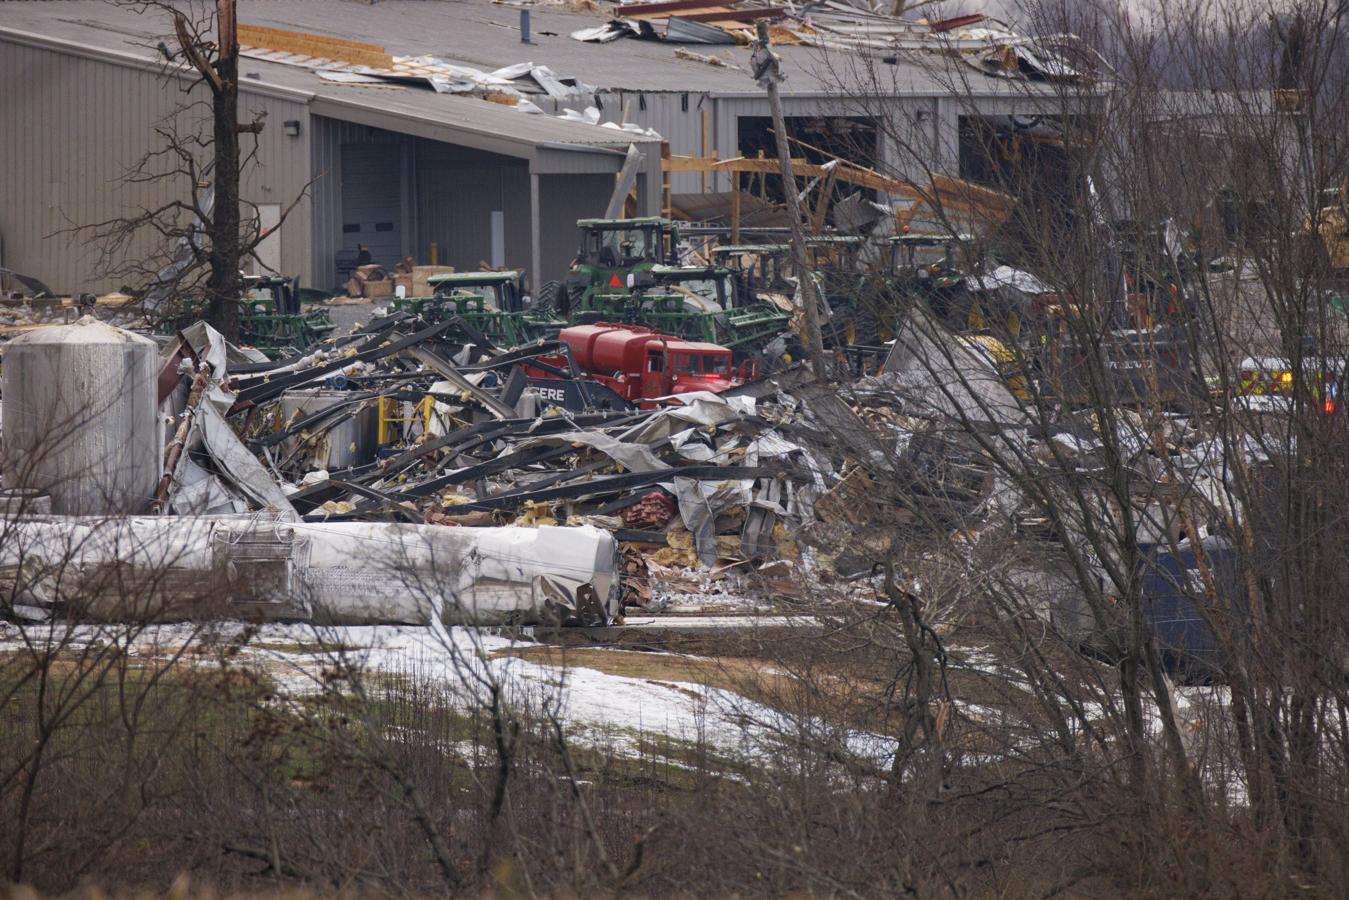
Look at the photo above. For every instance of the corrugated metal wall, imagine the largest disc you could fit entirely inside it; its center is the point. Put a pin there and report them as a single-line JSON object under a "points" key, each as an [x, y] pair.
{"points": [[457, 190], [449, 195], [678, 118], [72, 128], [562, 200], [326, 139]]}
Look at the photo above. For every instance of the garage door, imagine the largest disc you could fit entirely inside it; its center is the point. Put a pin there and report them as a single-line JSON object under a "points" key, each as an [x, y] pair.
{"points": [[372, 211]]}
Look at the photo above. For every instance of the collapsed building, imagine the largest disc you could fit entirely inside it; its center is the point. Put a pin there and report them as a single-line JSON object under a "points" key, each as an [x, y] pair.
{"points": [[400, 128], [435, 465]]}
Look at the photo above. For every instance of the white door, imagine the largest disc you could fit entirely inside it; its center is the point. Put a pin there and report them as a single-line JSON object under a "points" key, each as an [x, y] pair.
{"points": [[268, 251]]}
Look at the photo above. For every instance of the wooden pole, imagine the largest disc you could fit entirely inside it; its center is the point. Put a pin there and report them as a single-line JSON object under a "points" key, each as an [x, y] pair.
{"points": [[735, 207], [768, 73], [704, 150], [666, 201]]}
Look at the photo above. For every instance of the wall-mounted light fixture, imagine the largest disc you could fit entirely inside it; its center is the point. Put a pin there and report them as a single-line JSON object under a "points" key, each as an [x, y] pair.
{"points": [[291, 127]]}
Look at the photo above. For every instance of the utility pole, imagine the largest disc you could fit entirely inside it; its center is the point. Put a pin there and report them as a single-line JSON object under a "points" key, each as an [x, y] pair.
{"points": [[767, 71]]}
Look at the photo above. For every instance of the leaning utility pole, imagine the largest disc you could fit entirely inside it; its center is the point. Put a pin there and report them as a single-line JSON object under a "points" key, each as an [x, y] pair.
{"points": [[767, 70]]}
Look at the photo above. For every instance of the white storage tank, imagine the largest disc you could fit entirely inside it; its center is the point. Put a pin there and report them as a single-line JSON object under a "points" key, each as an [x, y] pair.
{"points": [[350, 443], [80, 413]]}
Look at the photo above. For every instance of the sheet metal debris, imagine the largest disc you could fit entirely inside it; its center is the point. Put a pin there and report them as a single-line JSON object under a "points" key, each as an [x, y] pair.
{"points": [[979, 40]]}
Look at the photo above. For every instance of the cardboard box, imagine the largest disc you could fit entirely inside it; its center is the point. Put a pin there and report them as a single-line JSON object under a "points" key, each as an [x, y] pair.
{"points": [[419, 286], [379, 290]]}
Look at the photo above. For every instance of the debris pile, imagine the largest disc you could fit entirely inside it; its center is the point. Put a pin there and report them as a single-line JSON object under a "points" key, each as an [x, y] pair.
{"points": [[983, 42], [404, 429]]}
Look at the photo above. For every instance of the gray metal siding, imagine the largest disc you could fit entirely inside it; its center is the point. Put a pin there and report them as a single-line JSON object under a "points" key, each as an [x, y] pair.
{"points": [[327, 139], [681, 128], [372, 202], [455, 198], [563, 200], [74, 131]]}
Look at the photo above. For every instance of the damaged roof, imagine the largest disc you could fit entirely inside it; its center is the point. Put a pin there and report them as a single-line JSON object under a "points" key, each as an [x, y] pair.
{"points": [[486, 36], [119, 34]]}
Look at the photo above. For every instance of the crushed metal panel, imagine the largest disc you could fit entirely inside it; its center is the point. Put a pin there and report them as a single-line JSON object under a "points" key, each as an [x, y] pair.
{"points": [[257, 566], [687, 31]]}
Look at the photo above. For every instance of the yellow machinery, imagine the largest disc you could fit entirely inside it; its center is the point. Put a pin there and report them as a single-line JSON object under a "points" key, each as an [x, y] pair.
{"points": [[1331, 225], [396, 425], [1005, 360]]}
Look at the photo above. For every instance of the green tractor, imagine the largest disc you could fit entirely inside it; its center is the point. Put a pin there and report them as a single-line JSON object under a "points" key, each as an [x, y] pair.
{"points": [[272, 316], [706, 304], [492, 302], [612, 252], [694, 303]]}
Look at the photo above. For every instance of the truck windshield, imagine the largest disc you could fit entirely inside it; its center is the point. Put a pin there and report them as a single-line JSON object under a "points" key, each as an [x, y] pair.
{"points": [[698, 364]]}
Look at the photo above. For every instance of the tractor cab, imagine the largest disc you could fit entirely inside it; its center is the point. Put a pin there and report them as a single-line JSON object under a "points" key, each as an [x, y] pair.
{"points": [[492, 302], [697, 303], [492, 291], [625, 243], [757, 267], [611, 255], [705, 289], [927, 256], [273, 294], [273, 319]]}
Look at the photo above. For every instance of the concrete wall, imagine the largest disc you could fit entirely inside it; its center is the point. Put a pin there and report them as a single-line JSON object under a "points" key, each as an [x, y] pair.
{"points": [[73, 126]]}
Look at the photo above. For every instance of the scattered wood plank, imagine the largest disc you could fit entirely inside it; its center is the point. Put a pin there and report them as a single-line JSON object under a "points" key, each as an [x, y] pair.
{"points": [[320, 46]]}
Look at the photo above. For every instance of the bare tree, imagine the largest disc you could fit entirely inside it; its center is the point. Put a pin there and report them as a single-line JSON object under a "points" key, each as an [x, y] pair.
{"points": [[204, 231], [1166, 205]]}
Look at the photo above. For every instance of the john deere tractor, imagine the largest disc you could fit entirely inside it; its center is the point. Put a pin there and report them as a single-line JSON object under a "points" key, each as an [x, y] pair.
{"points": [[611, 251], [492, 302], [705, 304], [272, 315]]}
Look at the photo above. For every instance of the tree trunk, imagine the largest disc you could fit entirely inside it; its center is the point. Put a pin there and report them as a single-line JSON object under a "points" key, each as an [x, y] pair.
{"points": [[225, 284]]}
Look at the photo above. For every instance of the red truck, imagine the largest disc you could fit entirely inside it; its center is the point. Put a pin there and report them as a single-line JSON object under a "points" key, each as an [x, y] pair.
{"points": [[640, 364]]}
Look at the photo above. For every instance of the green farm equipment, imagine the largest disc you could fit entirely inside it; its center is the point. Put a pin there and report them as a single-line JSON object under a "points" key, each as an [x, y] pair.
{"points": [[696, 304], [625, 272], [272, 316], [706, 304], [492, 302], [612, 252]]}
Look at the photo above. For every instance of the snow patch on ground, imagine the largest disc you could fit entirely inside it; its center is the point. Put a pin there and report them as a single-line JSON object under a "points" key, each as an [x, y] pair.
{"points": [[604, 709]]}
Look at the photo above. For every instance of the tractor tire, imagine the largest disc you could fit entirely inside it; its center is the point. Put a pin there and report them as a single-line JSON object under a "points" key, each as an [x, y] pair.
{"points": [[552, 295]]}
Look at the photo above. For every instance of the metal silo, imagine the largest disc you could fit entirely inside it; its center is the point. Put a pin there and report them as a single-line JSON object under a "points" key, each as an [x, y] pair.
{"points": [[80, 417]]}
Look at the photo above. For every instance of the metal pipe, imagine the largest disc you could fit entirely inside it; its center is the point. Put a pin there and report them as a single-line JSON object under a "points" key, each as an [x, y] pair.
{"points": [[174, 451]]}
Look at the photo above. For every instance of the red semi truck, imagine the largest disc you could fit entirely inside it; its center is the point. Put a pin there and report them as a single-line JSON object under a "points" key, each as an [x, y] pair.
{"points": [[640, 365]]}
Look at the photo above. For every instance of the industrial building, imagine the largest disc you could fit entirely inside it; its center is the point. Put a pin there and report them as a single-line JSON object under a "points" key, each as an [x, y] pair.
{"points": [[400, 167]]}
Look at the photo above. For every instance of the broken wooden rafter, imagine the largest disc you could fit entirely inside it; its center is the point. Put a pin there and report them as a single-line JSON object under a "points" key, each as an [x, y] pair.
{"points": [[645, 10], [977, 198], [317, 46]]}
